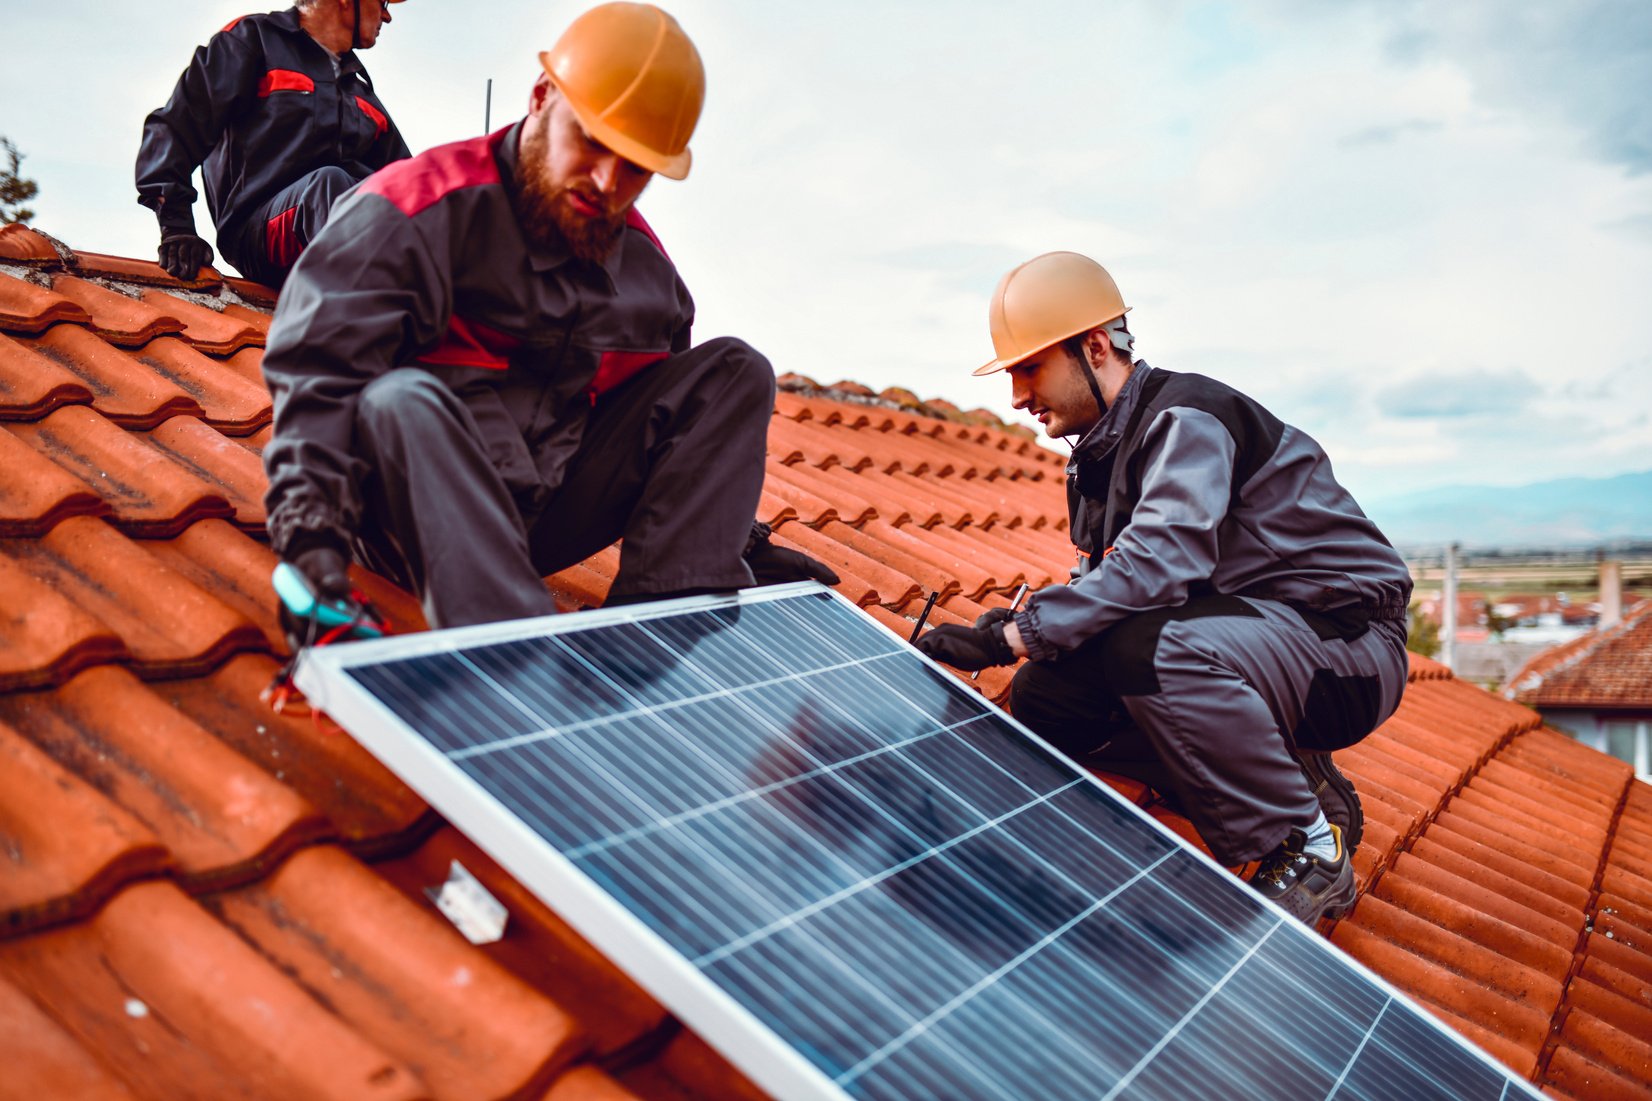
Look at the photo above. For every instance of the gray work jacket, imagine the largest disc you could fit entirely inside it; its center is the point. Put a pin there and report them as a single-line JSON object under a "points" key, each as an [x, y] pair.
{"points": [[424, 264], [1186, 488]]}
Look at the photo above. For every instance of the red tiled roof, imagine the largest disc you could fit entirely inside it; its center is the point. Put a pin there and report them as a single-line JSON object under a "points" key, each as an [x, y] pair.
{"points": [[1610, 667], [199, 897]]}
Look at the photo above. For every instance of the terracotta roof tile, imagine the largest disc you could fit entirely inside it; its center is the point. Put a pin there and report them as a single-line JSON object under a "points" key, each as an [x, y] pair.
{"points": [[208, 330], [221, 817], [39, 493], [538, 945], [21, 245], [858, 499], [123, 389], [32, 385], [118, 318], [43, 1060], [786, 486], [167, 624], [27, 308], [183, 1007], [463, 1025], [140, 272], [228, 402], [1610, 667], [256, 293], [232, 471], [66, 845], [44, 635], [147, 496]]}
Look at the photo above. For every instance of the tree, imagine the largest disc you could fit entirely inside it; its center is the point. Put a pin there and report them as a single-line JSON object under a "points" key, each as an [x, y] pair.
{"points": [[14, 189], [1424, 635]]}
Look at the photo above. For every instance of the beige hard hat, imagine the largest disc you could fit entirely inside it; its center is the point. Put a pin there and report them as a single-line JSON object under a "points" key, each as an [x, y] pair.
{"points": [[634, 81], [1045, 301]]}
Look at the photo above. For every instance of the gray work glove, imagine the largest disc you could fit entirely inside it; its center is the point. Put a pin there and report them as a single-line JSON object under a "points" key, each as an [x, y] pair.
{"points": [[183, 254]]}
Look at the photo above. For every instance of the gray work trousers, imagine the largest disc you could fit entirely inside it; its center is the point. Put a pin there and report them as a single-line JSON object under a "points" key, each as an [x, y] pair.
{"points": [[671, 460], [1208, 702]]}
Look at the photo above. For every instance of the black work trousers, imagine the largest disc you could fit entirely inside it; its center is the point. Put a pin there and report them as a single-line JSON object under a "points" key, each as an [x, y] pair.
{"points": [[268, 245], [671, 460], [1209, 702]]}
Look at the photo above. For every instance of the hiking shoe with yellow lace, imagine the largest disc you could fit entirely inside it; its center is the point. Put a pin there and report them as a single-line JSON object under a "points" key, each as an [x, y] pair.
{"points": [[1305, 884]]}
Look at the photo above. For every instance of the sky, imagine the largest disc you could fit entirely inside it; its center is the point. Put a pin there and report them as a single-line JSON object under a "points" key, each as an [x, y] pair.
{"points": [[1420, 232]]}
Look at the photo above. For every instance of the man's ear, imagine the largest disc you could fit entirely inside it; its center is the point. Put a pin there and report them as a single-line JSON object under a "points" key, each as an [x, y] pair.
{"points": [[1098, 345], [540, 95]]}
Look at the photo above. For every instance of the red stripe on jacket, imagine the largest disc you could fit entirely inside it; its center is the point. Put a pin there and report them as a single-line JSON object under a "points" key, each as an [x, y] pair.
{"points": [[379, 121], [634, 219], [231, 25], [284, 80], [418, 182], [472, 344]]}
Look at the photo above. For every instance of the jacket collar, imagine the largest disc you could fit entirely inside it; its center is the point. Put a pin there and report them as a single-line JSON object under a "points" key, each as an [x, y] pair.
{"points": [[555, 253], [1102, 438]]}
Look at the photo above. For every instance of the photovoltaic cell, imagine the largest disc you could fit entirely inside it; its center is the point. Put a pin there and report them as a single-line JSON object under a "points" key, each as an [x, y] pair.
{"points": [[856, 877]]}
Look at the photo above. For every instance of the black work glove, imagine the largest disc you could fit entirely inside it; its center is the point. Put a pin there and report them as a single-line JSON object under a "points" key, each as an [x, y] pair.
{"points": [[969, 648], [994, 615], [183, 254], [772, 565]]}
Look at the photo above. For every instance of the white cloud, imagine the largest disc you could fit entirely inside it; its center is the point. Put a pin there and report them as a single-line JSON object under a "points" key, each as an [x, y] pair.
{"points": [[1321, 204]]}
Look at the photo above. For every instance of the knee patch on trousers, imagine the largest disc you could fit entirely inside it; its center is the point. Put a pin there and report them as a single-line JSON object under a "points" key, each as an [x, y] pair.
{"points": [[1338, 711], [1130, 646]]}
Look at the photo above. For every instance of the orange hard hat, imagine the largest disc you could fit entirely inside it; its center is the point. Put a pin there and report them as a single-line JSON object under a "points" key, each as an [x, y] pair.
{"points": [[634, 81], [1045, 301]]}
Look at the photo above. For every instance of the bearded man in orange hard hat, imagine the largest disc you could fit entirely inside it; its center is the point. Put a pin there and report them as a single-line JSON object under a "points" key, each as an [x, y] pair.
{"points": [[281, 116], [482, 366], [1234, 616]]}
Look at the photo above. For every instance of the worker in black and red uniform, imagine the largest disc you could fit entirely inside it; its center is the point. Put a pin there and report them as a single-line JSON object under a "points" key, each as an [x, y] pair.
{"points": [[285, 120], [1234, 618], [482, 368]]}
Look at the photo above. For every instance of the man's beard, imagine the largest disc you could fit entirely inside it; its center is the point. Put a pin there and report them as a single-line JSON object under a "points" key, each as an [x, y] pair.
{"points": [[545, 212]]}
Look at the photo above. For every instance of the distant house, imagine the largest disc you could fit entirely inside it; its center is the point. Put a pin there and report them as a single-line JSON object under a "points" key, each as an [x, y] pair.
{"points": [[1598, 687]]}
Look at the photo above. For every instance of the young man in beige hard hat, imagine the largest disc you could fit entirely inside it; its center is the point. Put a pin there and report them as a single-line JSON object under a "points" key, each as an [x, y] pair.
{"points": [[482, 366], [284, 118], [1234, 616]]}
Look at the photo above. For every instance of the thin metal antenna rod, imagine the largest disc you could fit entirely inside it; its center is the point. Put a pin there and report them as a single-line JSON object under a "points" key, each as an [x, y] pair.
{"points": [[487, 109]]}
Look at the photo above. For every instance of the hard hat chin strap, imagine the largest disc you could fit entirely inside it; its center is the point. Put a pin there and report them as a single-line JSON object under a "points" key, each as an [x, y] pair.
{"points": [[355, 35]]}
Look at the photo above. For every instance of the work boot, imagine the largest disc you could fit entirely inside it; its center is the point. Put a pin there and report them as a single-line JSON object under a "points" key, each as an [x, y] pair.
{"points": [[1336, 796], [1304, 884]]}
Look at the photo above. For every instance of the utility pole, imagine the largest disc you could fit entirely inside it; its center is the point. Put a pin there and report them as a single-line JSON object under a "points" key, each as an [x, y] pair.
{"points": [[1448, 610]]}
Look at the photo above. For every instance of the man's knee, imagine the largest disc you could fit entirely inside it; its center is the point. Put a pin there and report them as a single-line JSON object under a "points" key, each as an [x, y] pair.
{"points": [[745, 368], [404, 401], [328, 183]]}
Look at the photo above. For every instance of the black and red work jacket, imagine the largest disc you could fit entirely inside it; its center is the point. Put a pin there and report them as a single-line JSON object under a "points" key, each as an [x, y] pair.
{"points": [[426, 266], [261, 106]]}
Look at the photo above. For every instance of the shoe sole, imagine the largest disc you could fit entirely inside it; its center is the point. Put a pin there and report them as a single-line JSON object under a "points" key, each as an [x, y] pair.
{"points": [[1324, 775]]}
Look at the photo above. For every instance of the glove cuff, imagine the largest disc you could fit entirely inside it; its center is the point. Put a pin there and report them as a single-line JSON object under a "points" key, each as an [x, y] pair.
{"points": [[176, 221], [1003, 652]]}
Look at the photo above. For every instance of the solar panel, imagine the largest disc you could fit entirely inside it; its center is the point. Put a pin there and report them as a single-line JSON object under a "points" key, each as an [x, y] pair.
{"points": [[857, 878]]}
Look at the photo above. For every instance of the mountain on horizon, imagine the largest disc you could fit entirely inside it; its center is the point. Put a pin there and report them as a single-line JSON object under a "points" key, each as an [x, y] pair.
{"points": [[1566, 512]]}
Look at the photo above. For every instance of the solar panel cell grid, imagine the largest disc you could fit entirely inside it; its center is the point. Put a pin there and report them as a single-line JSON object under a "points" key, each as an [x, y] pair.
{"points": [[896, 881]]}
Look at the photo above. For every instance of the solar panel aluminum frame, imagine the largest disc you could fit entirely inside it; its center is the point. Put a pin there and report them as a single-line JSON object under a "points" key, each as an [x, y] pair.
{"points": [[714, 1014]]}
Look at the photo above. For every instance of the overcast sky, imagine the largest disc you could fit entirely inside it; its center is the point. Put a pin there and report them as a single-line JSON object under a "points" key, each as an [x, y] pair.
{"points": [[1420, 231]]}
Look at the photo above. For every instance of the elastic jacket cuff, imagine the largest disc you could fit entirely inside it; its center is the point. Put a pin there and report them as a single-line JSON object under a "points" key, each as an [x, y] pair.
{"points": [[299, 529], [1038, 647]]}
